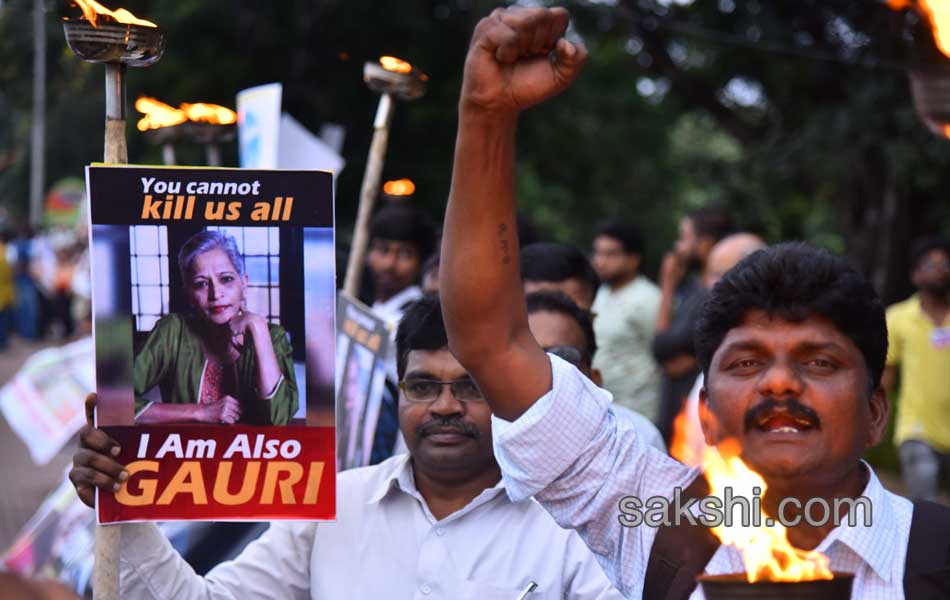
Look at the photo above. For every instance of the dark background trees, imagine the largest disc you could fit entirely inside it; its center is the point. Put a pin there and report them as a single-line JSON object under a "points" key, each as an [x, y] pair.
{"points": [[797, 115]]}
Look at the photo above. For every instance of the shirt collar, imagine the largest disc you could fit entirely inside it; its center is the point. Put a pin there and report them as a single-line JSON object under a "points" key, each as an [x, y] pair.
{"points": [[413, 292], [399, 477], [875, 544]]}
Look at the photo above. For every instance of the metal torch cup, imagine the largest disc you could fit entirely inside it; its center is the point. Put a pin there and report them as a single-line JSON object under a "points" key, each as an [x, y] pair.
{"points": [[737, 587], [117, 45]]}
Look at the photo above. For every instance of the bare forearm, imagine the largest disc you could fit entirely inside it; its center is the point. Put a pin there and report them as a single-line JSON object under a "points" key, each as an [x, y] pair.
{"points": [[159, 413], [664, 316], [482, 298], [480, 282], [508, 69]]}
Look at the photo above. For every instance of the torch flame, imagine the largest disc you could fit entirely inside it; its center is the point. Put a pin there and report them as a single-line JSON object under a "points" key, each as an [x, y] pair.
{"points": [[399, 187], [201, 112], [92, 9], [766, 551], [946, 131], [687, 443], [157, 114], [391, 63], [937, 12]]}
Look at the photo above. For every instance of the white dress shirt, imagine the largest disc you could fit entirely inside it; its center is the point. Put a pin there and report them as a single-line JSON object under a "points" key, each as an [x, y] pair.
{"points": [[385, 544], [569, 453], [647, 431]]}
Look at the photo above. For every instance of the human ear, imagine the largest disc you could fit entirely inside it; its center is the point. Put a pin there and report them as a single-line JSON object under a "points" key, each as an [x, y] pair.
{"points": [[707, 420], [878, 411]]}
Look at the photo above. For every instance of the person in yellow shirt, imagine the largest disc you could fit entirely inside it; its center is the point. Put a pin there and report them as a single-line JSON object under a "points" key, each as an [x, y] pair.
{"points": [[919, 357], [7, 294]]}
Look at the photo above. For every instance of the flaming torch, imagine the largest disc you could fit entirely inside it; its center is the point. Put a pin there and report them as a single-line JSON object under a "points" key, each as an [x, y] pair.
{"points": [[210, 125], [393, 79], [206, 124], [161, 125], [399, 188], [118, 39], [931, 89], [774, 568]]}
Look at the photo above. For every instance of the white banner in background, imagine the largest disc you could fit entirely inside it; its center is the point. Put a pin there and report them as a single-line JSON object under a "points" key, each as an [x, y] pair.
{"points": [[297, 148], [258, 111]]}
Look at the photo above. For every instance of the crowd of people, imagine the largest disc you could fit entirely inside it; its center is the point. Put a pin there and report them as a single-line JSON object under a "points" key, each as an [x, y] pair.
{"points": [[44, 285], [534, 384]]}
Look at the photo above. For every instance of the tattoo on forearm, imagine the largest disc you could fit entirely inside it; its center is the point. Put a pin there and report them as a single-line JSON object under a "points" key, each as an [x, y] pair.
{"points": [[505, 248]]}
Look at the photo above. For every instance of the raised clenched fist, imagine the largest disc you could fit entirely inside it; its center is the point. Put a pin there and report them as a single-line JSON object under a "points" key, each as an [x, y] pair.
{"points": [[519, 57]]}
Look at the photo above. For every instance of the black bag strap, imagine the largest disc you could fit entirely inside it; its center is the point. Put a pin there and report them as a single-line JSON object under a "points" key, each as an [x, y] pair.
{"points": [[927, 567], [679, 554]]}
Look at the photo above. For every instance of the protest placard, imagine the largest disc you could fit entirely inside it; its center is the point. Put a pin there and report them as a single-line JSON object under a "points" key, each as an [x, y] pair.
{"points": [[57, 542], [43, 402], [213, 301], [362, 345]]}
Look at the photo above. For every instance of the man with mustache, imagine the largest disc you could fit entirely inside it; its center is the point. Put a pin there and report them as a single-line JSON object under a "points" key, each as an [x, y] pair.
{"points": [[791, 326], [432, 523]]}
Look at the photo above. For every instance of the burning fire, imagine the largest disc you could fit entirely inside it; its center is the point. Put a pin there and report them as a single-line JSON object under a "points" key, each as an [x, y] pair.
{"points": [[201, 112], [766, 551], [92, 9], [688, 441], [399, 187], [937, 12], [391, 63], [158, 114]]}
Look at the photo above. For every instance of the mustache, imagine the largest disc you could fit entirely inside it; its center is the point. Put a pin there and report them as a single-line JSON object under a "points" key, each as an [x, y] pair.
{"points": [[449, 422], [790, 406]]}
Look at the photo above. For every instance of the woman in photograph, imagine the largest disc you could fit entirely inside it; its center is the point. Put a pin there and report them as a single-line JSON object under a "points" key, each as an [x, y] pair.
{"points": [[219, 363]]}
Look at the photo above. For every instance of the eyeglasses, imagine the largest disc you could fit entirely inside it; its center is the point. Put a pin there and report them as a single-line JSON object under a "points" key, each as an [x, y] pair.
{"points": [[572, 354], [420, 391]]}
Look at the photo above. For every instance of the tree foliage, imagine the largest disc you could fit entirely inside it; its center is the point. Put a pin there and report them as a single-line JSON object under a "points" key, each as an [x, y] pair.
{"points": [[796, 115]]}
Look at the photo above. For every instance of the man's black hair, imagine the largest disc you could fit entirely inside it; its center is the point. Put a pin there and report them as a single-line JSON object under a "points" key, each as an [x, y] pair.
{"points": [[421, 328], [794, 281], [712, 222], [924, 246], [549, 261], [627, 234], [404, 223], [432, 263], [559, 302]]}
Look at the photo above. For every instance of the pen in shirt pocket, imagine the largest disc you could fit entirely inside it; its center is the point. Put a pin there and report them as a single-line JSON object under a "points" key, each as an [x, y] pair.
{"points": [[531, 587]]}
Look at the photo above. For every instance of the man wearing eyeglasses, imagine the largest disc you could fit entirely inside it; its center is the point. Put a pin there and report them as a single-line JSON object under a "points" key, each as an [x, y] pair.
{"points": [[565, 330], [434, 523]]}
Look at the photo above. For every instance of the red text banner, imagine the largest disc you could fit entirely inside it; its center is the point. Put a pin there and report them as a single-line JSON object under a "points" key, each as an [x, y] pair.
{"points": [[223, 473]]}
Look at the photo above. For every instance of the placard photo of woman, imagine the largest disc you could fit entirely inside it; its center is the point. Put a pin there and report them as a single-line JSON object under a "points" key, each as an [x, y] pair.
{"points": [[217, 362]]}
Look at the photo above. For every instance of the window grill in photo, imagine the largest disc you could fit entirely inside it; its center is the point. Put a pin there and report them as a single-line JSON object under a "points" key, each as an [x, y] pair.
{"points": [[260, 247], [149, 254]]}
